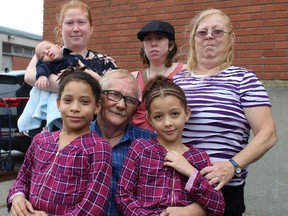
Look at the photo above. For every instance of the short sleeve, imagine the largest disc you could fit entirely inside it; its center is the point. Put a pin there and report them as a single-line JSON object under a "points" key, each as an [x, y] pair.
{"points": [[252, 91]]}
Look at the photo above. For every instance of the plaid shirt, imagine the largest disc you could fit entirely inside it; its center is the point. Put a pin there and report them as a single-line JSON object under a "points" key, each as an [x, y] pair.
{"points": [[147, 187], [73, 181], [119, 152]]}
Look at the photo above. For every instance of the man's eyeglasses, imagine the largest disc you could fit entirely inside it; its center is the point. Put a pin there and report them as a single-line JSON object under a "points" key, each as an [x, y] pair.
{"points": [[117, 96], [215, 33]]}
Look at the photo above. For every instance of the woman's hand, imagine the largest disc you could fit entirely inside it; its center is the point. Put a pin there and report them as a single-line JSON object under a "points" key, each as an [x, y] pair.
{"points": [[30, 76], [178, 162], [21, 206], [89, 71], [219, 173]]}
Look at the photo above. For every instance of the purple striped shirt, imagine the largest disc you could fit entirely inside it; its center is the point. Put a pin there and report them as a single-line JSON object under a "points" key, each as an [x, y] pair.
{"points": [[218, 124], [72, 181]]}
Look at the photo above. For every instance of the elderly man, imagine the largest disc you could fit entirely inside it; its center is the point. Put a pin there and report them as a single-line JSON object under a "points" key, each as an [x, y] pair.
{"points": [[113, 124]]}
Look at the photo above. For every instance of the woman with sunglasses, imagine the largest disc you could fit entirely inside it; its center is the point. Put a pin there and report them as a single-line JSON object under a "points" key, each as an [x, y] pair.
{"points": [[227, 101]]}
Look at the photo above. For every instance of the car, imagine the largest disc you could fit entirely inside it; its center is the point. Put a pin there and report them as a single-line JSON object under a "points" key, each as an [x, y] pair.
{"points": [[14, 94]]}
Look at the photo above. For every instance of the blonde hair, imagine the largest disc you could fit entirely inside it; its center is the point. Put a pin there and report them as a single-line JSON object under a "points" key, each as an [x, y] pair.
{"points": [[38, 48], [192, 60], [67, 6], [118, 74]]}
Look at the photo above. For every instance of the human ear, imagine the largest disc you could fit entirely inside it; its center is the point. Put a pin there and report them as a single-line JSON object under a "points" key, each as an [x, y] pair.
{"points": [[187, 113], [98, 107], [92, 29], [58, 103], [232, 39], [171, 45], [148, 117]]}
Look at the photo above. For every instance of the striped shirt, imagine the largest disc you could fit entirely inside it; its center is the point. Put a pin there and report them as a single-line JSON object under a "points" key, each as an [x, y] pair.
{"points": [[218, 124], [72, 181], [147, 187]]}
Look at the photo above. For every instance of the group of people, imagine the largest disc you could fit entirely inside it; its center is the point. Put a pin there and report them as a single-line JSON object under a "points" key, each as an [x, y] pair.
{"points": [[171, 139]]}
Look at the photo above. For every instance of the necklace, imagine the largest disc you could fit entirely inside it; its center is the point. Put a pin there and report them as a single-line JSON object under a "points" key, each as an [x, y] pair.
{"points": [[87, 54]]}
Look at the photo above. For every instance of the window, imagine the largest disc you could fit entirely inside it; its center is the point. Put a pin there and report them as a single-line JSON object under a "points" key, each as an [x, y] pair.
{"points": [[7, 48], [17, 50], [28, 51]]}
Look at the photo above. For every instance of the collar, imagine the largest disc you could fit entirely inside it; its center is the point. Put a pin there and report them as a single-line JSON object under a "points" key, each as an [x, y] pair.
{"points": [[66, 51], [95, 127]]}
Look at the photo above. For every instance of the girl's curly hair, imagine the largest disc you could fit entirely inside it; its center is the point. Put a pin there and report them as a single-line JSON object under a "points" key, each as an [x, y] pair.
{"points": [[78, 74]]}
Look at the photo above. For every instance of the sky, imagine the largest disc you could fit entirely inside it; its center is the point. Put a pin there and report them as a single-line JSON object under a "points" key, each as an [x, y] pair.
{"points": [[23, 15]]}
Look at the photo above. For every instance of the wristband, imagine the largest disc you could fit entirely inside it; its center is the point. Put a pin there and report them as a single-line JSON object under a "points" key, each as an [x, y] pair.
{"points": [[191, 180]]}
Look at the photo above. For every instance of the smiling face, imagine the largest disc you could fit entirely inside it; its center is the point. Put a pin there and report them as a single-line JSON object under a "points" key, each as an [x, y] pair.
{"points": [[168, 116], [76, 29], [156, 47], [117, 114], [77, 106], [209, 47]]}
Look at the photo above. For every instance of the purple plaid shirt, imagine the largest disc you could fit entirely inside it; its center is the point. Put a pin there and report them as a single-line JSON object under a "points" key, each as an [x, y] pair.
{"points": [[147, 187], [73, 181]]}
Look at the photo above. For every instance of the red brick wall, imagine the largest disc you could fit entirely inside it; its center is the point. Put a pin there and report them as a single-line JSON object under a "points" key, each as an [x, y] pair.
{"points": [[20, 63], [261, 29]]}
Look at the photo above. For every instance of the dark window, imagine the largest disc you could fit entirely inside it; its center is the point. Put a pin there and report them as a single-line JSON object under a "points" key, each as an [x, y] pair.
{"points": [[7, 48]]}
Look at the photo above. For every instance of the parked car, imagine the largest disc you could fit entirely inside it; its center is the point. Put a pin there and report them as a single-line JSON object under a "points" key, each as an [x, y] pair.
{"points": [[14, 94]]}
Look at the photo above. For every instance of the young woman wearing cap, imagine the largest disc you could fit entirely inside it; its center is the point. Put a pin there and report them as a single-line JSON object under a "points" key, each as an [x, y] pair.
{"points": [[158, 52]]}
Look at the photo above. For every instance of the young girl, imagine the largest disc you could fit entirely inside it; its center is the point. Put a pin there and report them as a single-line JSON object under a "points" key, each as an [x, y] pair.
{"points": [[162, 172], [66, 172]]}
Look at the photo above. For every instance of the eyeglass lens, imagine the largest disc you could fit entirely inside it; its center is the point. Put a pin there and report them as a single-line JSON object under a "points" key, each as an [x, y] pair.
{"points": [[117, 96], [215, 33]]}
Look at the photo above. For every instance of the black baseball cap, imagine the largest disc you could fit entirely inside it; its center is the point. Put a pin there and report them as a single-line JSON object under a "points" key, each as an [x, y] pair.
{"points": [[157, 26]]}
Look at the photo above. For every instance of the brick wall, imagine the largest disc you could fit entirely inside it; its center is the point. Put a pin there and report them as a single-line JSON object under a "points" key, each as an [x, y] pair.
{"points": [[261, 29], [20, 62]]}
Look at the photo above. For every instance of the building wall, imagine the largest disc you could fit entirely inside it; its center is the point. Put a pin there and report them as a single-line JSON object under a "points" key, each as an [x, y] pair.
{"points": [[20, 63], [260, 27], [267, 183], [16, 61]]}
